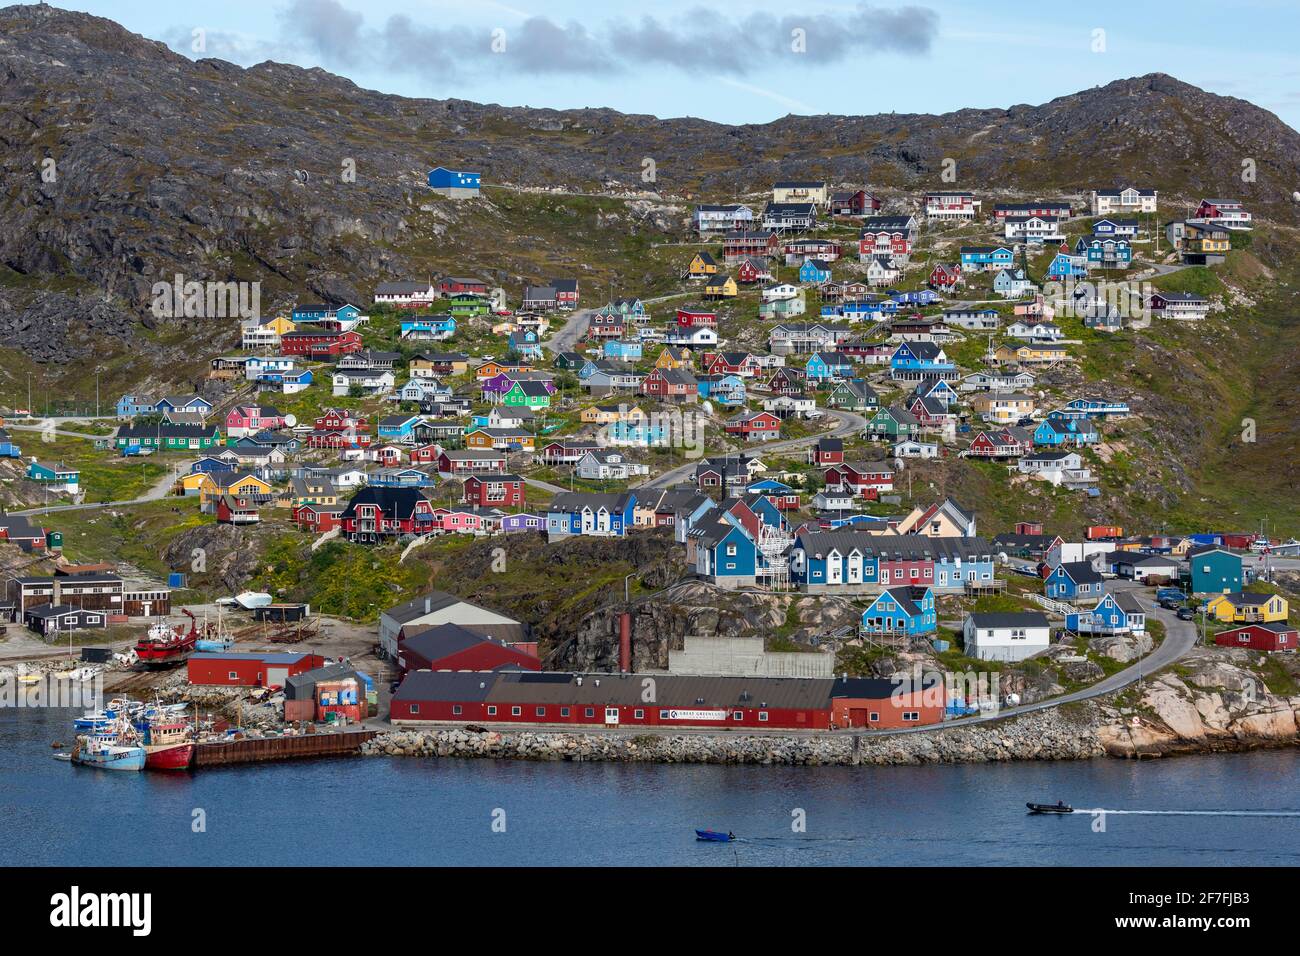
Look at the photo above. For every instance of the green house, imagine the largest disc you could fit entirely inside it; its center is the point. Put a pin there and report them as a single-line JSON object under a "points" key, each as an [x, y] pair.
{"points": [[467, 304], [853, 394], [1215, 571], [167, 436], [527, 394], [894, 422]]}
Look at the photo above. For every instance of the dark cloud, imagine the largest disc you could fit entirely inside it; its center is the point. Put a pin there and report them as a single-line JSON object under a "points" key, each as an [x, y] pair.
{"points": [[702, 41]]}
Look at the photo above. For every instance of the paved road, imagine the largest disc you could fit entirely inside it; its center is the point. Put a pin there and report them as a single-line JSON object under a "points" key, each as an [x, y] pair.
{"points": [[159, 491], [849, 424], [574, 329], [58, 431]]}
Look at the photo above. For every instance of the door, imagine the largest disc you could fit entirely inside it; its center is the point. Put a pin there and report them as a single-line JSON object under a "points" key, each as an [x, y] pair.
{"points": [[277, 676], [611, 716]]}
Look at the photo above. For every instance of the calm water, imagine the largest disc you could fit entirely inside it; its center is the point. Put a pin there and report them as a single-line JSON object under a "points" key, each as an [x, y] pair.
{"points": [[409, 811]]}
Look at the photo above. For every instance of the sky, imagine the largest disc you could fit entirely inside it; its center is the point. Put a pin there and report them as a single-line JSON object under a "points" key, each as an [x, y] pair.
{"points": [[745, 61]]}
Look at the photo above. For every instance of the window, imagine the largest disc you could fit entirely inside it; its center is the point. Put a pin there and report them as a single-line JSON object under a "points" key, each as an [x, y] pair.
{"points": [[233, 675], [492, 710], [911, 715], [515, 711], [874, 716], [737, 715], [564, 711], [762, 716], [455, 709], [589, 712], [540, 712], [638, 714]]}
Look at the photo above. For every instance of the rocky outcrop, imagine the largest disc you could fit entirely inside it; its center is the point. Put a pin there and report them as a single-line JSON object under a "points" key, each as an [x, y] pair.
{"points": [[216, 555], [1218, 704]]}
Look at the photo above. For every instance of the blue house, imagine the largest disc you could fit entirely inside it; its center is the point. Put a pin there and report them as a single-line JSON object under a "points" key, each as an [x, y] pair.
{"points": [[1113, 614], [607, 515], [457, 183], [901, 610], [526, 343], [985, 258], [1105, 253], [313, 312], [1061, 432], [398, 428], [434, 327], [623, 351], [937, 389], [1067, 267], [212, 465], [1214, 571], [725, 554], [1098, 408], [920, 297], [919, 359], [824, 366], [401, 478], [727, 389], [184, 403], [129, 406], [1113, 228], [7, 447], [1074, 581], [637, 432], [814, 270]]}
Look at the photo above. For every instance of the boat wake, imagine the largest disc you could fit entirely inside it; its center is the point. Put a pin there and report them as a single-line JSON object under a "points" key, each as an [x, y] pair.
{"points": [[1192, 813]]}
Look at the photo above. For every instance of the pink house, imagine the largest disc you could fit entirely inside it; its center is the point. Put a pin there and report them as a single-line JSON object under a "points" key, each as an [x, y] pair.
{"points": [[245, 420]]}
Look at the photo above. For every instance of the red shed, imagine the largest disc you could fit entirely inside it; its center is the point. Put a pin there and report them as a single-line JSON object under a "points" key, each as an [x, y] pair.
{"points": [[249, 670], [1273, 636]]}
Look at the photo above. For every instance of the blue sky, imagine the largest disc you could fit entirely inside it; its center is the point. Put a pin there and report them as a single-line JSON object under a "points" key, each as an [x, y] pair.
{"points": [[737, 62]]}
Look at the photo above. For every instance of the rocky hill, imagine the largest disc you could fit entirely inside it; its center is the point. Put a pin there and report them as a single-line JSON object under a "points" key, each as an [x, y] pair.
{"points": [[166, 165]]}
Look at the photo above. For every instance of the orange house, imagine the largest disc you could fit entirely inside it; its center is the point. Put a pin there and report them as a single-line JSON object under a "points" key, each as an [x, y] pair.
{"points": [[880, 703]]}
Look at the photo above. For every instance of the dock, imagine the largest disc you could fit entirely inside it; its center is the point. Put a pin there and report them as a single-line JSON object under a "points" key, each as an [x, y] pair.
{"points": [[260, 749]]}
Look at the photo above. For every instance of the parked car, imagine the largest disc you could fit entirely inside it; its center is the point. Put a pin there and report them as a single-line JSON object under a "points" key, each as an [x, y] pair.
{"points": [[1186, 614], [1170, 605]]}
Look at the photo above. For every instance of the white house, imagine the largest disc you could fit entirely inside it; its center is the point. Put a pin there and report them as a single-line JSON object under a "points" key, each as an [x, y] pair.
{"points": [[1008, 636], [1109, 202], [1064, 468], [370, 380], [600, 464]]}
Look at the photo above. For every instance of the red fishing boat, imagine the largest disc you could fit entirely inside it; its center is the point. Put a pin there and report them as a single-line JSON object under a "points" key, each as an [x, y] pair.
{"points": [[169, 745], [164, 645]]}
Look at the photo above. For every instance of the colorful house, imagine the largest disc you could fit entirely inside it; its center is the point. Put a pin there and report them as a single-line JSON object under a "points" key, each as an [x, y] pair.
{"points": [[1247, 607], [57, 478], [1119, 613], [900, 611], [1074, 581], [583, 513], [1215, 571]]}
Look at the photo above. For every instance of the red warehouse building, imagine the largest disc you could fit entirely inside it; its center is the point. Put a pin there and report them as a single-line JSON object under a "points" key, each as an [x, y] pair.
{"points": [[450, 647], [612, 700], [882, 703], [1273, 636], [249, 670]]}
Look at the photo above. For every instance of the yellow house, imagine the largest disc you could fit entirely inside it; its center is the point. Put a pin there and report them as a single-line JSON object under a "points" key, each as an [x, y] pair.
{"points": [[1246, 607], [228, 483], [280, 325], [1030, 354], [1003, 408], [721, 287], [608, 414], [1207, 239], [674, 356], [702, 266], [191, 483]]}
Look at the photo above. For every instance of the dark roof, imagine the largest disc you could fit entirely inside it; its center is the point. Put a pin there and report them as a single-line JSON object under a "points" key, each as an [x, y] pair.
{"points": [[879, 688], [444, 640], [419, 606], [1081, 572], [1010, 619], [302, 686]]}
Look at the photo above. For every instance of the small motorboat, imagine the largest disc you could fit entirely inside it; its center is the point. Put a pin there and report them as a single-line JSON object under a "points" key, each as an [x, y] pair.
{"points": [[713, 836], [1057, 807]]}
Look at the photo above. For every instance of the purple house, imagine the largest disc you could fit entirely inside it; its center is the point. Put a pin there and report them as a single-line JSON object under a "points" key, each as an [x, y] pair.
{"points": [[502, 382], [523, 521]]}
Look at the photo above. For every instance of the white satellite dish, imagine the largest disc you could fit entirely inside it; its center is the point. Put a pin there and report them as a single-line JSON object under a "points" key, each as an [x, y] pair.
{"points": [[290, 420]]}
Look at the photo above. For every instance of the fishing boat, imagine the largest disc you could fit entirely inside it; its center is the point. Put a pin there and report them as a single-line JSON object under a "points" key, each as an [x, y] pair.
{"points": [[713, 836], [168, 745], [106, 756], [1057, 807], [98, 720], [166, 646]]}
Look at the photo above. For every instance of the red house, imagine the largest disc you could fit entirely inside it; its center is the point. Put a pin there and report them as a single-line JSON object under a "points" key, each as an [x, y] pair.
{"points": [[729, 363], [378, 513], [497, 491], [786, 381], [866, 481], [696, 318], [337, 419], [755, 426], [670, 385], [425, 454], [237, 509], [450, 647], [456, 286], [249, 670], [945, 276], [753, 270], [1273, 636], [338, 439], [859, 203], [999, 444], [741, 244], [317, 518], [604, 325], [320, 344], [827, 451]]}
